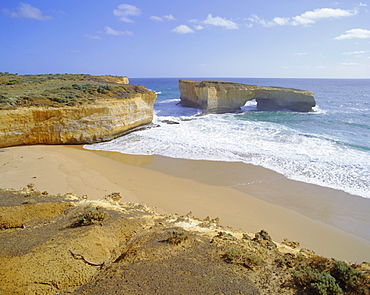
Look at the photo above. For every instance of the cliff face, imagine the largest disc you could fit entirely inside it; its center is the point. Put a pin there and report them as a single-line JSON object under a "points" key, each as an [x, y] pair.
{"points": [[112, 79], [102, 120], [220, 97]]}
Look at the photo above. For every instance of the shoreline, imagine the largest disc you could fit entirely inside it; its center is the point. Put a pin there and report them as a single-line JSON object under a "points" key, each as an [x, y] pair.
{"points": [[313, 201], [202, 187]]}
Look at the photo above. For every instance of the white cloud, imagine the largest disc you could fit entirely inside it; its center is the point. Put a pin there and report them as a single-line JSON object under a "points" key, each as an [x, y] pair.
{"points": [[300, 53], [281, 21], [110, 31], [94, 37], [349, 63], [183, 29], [256, 19], [168, 17], [124, 11], [25, 10], [310, 17], [356, 52], [362, 4], [156, 18], [354, 34], [198, 27], [307, 18], [220, 22]]}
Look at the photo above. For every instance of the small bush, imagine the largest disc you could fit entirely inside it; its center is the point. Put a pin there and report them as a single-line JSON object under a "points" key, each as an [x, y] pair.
{"points": [[10, 100], [316, 282], [177, 237], [232, 255], [12, 82], [251, 261], [89, 88], [348, 278], [320, 275], [248, 260], [287, 260], [104, 89], [59, 99], [94, 215], [29, 201], [320, 263]]}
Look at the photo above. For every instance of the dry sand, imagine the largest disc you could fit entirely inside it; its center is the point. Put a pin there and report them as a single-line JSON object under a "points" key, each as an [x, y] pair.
{"points": [[330, 222]]}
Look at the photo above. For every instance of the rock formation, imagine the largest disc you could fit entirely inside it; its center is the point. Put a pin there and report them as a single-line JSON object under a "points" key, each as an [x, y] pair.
{"points": [[100, 121], [84, 113], [70, 245], [221, 97], [113, 79]]}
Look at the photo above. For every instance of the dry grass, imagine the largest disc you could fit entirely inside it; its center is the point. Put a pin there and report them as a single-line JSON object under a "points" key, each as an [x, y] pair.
{"points": [[57, 90]]}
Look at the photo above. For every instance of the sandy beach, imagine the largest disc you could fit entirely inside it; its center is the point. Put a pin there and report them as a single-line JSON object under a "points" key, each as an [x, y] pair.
{"points": [[330, 222]]}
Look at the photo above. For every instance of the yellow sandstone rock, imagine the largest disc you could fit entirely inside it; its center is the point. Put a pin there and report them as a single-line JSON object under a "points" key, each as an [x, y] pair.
{"points": [[221, 97], [103, 120]]}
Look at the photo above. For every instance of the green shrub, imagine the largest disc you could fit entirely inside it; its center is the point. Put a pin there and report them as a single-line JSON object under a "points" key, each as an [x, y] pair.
{"points": [[10, 100], [232, 255], [316, 282], [3, 98], [176, 237], [59, 99], [348, 278], [94, 215], [104, 89], [88, 88], [12, 82], [248, 260], [251, 261], [287, 260]]}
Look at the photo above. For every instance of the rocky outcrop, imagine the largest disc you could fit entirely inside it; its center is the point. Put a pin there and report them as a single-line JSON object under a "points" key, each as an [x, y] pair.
{"points": [[221, 97], [101, 120], [70, 245], [111, 79]]}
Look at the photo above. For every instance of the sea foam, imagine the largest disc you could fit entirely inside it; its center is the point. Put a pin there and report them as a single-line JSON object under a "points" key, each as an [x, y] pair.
{"points": [[328, 147]]}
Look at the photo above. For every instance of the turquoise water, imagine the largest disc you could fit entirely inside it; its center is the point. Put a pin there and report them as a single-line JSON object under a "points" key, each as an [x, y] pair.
{"points": [[329, 147]]}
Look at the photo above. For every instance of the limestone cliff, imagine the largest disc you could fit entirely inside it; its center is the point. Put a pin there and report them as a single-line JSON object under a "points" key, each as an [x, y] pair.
{"points": [[70, 108], [113, 79], [99, 121], [220, 97]]}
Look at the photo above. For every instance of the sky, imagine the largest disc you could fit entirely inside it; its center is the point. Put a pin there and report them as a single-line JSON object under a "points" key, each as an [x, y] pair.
{"points": [[178, 38]]}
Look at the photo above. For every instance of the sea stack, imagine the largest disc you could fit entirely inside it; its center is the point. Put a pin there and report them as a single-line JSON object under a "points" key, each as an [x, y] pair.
{"points": [[223, 97]]}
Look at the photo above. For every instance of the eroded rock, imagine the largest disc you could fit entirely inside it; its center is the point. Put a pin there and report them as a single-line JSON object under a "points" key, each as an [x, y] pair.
{"points": [[221, 97], [70, 109]]}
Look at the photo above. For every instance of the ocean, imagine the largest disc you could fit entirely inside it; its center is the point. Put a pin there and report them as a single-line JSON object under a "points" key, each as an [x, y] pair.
{"points": [[329, 147]]}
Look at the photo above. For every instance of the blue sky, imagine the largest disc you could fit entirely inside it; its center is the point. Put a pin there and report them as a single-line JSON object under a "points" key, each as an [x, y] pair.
{"points": [[176, 38]]}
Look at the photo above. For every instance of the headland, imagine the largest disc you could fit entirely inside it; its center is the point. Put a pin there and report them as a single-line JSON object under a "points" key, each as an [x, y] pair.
{"points": [[86, 220]]}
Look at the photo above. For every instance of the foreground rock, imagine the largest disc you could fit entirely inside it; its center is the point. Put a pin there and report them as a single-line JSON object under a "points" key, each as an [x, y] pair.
{"points": [[70, 245], [70, 109], [221, 97]]}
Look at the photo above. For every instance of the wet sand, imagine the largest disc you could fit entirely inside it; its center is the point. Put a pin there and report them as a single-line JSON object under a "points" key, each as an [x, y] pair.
{"points": [[330, 222]]}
